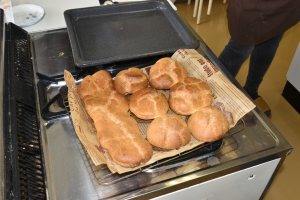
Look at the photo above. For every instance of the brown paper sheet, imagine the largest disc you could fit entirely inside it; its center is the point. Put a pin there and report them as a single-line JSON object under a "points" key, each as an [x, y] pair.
{"points": [[226, 97]]}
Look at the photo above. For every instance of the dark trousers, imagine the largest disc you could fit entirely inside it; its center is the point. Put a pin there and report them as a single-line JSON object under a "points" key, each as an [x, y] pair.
{"points": [[234, 55]]}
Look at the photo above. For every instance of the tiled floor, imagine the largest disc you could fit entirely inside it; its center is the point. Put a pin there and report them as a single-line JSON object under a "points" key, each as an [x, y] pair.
{"points": [[214, 31]]}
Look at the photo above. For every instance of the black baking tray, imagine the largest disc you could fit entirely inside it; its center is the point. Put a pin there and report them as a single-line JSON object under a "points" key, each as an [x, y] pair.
{"points": [[113, 33]]}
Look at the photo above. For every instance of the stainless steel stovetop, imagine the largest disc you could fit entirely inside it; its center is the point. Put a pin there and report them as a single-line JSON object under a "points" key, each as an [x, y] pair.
{"points": [[69, 174]]}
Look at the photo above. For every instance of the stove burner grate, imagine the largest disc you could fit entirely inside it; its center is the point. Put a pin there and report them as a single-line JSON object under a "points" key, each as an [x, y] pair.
{"points": [[63, 94], [45, 112]]}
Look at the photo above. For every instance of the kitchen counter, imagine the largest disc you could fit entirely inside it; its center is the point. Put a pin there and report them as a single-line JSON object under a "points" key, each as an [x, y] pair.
{"points": [[54, 10]]}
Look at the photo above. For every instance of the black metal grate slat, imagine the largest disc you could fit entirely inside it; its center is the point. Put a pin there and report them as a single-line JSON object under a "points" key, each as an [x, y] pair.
{"points": [[36, 180], [29, 154], [31, 197], [32, 164], [27, 136], [29, 184]]}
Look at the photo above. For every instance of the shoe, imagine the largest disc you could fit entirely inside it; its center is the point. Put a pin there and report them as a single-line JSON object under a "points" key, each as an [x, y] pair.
{"points": [[263, 105]]}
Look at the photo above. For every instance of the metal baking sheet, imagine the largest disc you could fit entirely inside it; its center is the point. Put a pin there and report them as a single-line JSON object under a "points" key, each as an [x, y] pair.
{"points": [[113, 33]]}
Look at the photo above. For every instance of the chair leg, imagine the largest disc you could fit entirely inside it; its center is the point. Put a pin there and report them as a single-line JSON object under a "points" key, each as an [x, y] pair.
{"points": [[209, 7], [199, 11], [189, 2], [195, 8]]}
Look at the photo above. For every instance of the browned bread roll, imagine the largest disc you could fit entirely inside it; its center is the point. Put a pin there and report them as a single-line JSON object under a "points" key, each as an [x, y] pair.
{"points": [[168, 131], [116, 130], [102, 100], [118, 133], [208, 124], [148, 104], [101, 81], [130, 81], [166, 72], [189, 95]]}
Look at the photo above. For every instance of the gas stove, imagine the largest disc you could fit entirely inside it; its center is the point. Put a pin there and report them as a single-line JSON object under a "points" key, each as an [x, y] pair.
{"points": [[44, 158]]}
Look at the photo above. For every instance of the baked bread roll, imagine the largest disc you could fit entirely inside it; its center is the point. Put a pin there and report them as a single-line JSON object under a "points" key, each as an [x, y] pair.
{"points": [[118, 133], [130, 81], [166, 72], [208, 124], [103, 100], [168, 131], [189, 95], [148, 104], [116, 130], [101, 81]]}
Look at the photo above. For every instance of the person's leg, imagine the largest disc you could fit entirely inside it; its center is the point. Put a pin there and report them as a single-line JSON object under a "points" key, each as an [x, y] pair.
{"points": [[234, 55], [260, 61]]}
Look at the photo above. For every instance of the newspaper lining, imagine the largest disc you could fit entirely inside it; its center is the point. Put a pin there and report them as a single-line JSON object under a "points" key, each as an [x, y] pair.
{"points": [[226, 97]]}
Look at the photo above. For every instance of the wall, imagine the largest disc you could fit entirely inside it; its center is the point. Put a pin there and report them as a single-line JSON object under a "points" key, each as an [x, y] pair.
{"points": [[293, 75]]}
